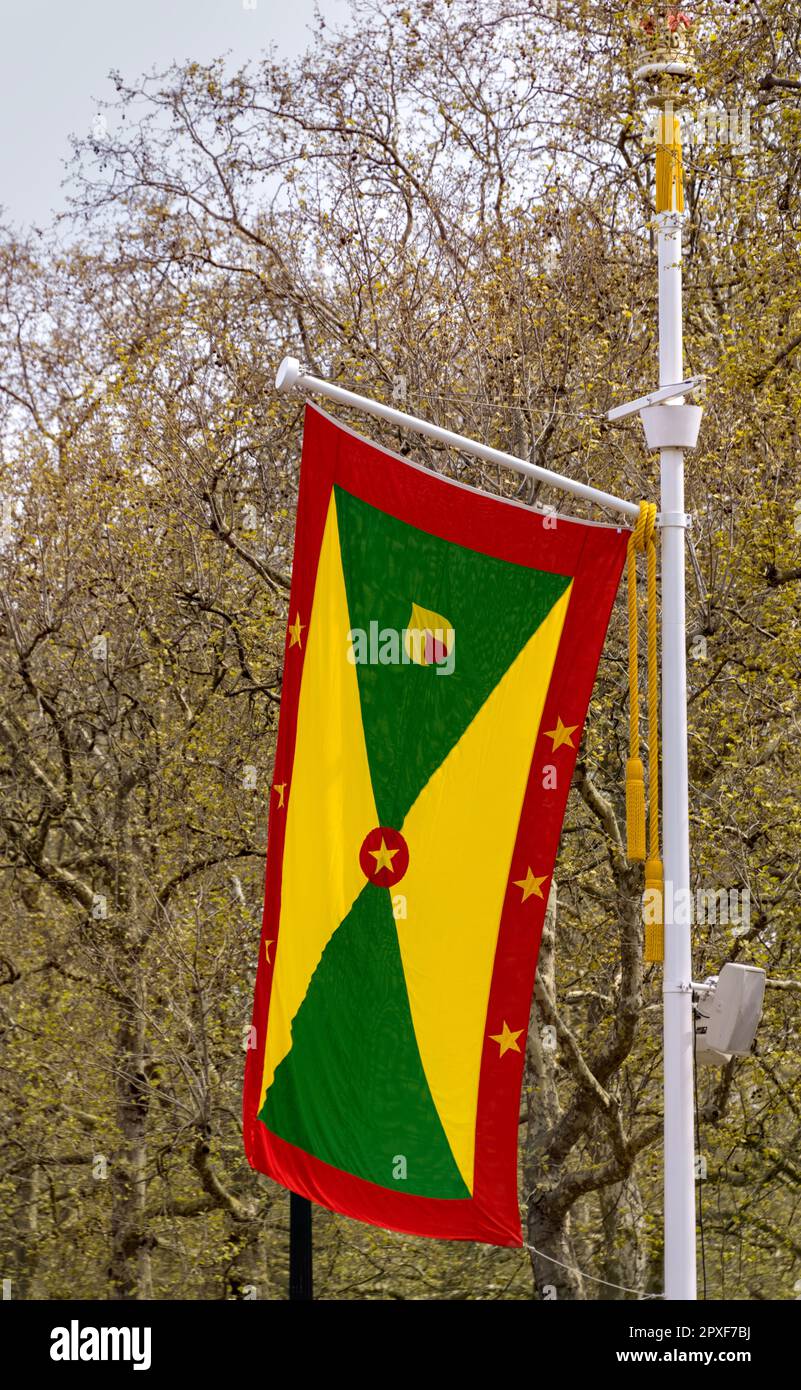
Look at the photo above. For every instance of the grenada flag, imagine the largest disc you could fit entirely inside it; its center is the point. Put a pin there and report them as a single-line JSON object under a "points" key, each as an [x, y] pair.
{"points": [[441, 651]]}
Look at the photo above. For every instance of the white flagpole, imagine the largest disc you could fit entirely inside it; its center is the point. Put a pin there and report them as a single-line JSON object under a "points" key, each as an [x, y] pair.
{"points": [[679, 1030], [671, 428]]}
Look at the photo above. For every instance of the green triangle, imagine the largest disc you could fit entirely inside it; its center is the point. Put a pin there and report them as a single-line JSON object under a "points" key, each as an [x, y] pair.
{"points": [[352, 1090], [413, 714]]}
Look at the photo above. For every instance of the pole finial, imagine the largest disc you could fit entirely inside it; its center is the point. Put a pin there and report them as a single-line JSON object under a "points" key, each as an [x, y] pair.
{"points": [[665, 39]]}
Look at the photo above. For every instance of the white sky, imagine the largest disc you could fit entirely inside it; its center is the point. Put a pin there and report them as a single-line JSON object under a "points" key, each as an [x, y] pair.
{"points": [[55, 56]]}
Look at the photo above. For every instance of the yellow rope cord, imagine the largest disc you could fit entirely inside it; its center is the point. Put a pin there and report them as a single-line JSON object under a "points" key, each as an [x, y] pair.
{"points": [[669, 173], [653, 708], [642, 540], [635, 777]]}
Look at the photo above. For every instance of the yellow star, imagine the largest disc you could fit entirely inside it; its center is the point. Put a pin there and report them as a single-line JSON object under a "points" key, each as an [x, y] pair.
{"points": [[267, 946], [561, 734], [532, 887], [280, 787], [506, 1039], [295, 631], [383, 857]]}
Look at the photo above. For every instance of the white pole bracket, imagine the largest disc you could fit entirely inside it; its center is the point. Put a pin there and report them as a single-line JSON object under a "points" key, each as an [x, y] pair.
{"points": [[671, 426]]}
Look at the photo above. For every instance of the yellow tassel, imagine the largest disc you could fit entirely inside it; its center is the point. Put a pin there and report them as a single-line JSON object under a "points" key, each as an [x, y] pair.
{"points": [[654, 912], [669, 173], [635, 809]]}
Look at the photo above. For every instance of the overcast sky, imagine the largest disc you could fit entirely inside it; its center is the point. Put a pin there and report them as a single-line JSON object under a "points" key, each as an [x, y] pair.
{"points": [[55, 56]]}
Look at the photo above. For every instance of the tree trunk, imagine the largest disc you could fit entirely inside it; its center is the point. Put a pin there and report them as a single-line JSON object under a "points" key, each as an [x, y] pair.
{"points": [[27, 1228], [244, 1275], [553, 1258], [129, 1271], [548, 1223], [624, 1260]]}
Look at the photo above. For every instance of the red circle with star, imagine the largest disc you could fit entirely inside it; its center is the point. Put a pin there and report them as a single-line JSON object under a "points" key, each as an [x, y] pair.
{"points": [[384, 856]]}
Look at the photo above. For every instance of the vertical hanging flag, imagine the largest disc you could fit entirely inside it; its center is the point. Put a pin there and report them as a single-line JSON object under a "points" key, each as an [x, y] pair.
{"points": [[441, 652]]}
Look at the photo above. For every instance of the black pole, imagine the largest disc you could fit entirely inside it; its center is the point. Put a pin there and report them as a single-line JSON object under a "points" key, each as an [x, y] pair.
{"points": [[300, 1247]]}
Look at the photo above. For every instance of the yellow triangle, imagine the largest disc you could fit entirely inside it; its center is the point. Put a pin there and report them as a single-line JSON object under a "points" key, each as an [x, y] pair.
{"points": [[330, 802], [461, 832]]}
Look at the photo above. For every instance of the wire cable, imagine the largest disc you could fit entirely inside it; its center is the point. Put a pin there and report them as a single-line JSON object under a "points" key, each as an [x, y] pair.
{"points": [[574, 1269]]}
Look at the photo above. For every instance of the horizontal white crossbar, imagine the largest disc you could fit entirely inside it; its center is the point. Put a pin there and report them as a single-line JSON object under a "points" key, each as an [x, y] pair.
{"points": [[289, 376]]}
